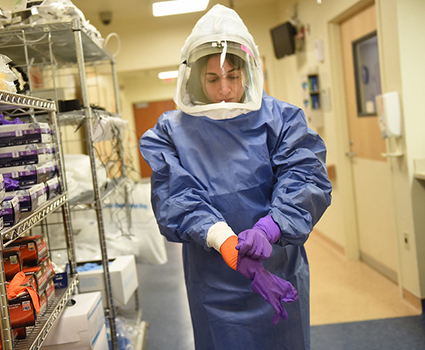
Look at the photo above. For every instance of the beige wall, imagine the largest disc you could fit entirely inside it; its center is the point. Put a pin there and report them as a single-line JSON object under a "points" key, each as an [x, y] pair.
{"points": [[399, 26], [402, 51], [410, 14]]}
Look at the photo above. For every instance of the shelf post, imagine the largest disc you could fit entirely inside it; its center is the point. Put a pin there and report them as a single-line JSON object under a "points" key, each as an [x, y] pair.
{"points": [[98, 204], [6, 334]]}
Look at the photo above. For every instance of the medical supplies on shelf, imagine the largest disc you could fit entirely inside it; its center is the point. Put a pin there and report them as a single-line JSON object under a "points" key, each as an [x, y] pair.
{"points": [[28, 166], [31, 188]]}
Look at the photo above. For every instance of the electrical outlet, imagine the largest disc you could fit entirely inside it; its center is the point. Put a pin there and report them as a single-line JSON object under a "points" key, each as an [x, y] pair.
{"points": [[406, 240]]}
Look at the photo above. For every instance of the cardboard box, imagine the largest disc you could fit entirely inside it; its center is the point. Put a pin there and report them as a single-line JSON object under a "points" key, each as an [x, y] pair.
{"points": [[43, 303], [50, 292], [2, 189], [12, 263], [31, 174], [61, 279], [29, 198], [81, 325], [40, 274], [123, 274], [22, 311], [26, 154], [33, 248], [10, 211], [53, 187], [47, 297], [22, 134], [30, 281], [101, 341]]}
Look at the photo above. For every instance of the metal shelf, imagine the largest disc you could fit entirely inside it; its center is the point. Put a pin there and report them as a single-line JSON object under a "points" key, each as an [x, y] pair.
{"points": [[60, 40], [86, 200], [25, 224], [76, 117], [16, 104], [47, 48], [9, 100], [38, 333]]}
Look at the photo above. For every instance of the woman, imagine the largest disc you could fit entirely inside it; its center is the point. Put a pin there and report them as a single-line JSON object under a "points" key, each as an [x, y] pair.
{"points": [[240, 180]]}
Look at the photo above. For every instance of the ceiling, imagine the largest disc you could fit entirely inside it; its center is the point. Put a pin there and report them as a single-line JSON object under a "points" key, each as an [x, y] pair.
{"points": [[129, 11], [142, 9]]}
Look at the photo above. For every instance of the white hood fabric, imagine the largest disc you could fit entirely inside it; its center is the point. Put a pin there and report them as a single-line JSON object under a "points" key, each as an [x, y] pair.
{"points": [[220, 24]]}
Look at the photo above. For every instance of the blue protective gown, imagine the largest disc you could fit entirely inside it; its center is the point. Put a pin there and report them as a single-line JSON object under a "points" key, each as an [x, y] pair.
{"points": [[239, 170]]}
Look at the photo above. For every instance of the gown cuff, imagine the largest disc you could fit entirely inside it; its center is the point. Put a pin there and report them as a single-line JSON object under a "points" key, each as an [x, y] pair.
{"points": [[217, 234]]}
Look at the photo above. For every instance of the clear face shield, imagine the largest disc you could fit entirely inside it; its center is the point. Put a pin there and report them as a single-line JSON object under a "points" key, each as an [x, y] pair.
{"points": [[220, 75]]}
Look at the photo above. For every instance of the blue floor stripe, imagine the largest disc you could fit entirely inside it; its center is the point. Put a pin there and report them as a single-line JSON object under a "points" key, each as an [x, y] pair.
{"points": [[403, 333]]}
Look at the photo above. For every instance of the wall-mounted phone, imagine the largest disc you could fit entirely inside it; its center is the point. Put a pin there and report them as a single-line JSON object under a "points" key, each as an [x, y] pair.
{"points": [[389, 114]]}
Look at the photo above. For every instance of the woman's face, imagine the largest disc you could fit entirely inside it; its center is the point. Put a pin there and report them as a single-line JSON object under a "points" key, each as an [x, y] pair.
{"points": [[222, 83]]}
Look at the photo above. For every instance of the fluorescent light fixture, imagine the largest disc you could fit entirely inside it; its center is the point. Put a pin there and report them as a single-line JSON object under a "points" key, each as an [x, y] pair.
{"points": [[168, 75], [176, 7]]}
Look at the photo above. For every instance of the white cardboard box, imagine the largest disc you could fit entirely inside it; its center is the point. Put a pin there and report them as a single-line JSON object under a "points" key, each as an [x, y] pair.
{"points": [[124, 281], [101, 341], [80, 325]]}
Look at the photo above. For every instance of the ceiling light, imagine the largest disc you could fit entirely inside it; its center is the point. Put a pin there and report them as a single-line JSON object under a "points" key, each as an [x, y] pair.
{"points": [[175, 7], [168, 75]]}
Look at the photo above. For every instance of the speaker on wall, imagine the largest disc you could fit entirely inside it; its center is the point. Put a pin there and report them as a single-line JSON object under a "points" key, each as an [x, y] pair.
{"points": [[283, 38]]}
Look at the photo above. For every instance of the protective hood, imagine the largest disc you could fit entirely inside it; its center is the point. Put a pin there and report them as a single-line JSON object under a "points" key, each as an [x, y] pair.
{"points": [[200, 84]]}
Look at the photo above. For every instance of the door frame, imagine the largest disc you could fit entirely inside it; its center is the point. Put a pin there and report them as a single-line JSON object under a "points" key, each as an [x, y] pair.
{"points": [[352, 247]]}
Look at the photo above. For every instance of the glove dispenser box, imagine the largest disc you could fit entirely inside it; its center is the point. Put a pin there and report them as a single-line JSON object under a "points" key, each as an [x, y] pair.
{"points": [[123, 274]]}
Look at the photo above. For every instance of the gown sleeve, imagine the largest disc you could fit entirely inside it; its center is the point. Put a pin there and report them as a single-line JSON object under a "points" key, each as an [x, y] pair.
{"points": [[180, 202], [302, 190]]}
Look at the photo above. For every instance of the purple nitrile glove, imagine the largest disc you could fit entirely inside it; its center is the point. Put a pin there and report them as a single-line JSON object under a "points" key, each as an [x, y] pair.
{"points": [[257, 241], [272, 288], [4, 121], [10, 184]]}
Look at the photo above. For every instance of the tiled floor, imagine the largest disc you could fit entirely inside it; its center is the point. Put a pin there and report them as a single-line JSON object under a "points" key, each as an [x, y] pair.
{"points": [[162, 296], [342, 291], [347, 291]]}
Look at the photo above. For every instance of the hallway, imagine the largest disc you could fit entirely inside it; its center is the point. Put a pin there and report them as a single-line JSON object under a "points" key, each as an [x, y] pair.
{"points": [[342, 294], [348, 291]]}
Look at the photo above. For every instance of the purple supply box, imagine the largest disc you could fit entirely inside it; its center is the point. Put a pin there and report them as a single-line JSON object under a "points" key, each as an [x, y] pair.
{"points": [[26, 154], [30, 198], [9, 211], [2, 189], [53, 187], [30, 174], [21, 134]]}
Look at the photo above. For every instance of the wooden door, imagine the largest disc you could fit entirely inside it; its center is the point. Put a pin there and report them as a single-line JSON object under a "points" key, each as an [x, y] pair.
{"points": [[145, 117], [374, 206]]}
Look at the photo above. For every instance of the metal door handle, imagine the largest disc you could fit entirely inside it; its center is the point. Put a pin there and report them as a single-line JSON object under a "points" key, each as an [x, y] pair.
{"points": [[392, 155], [350, 154]]}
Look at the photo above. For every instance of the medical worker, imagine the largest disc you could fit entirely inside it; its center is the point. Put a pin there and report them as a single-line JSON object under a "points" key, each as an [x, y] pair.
{"points": [[240, 180]]}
